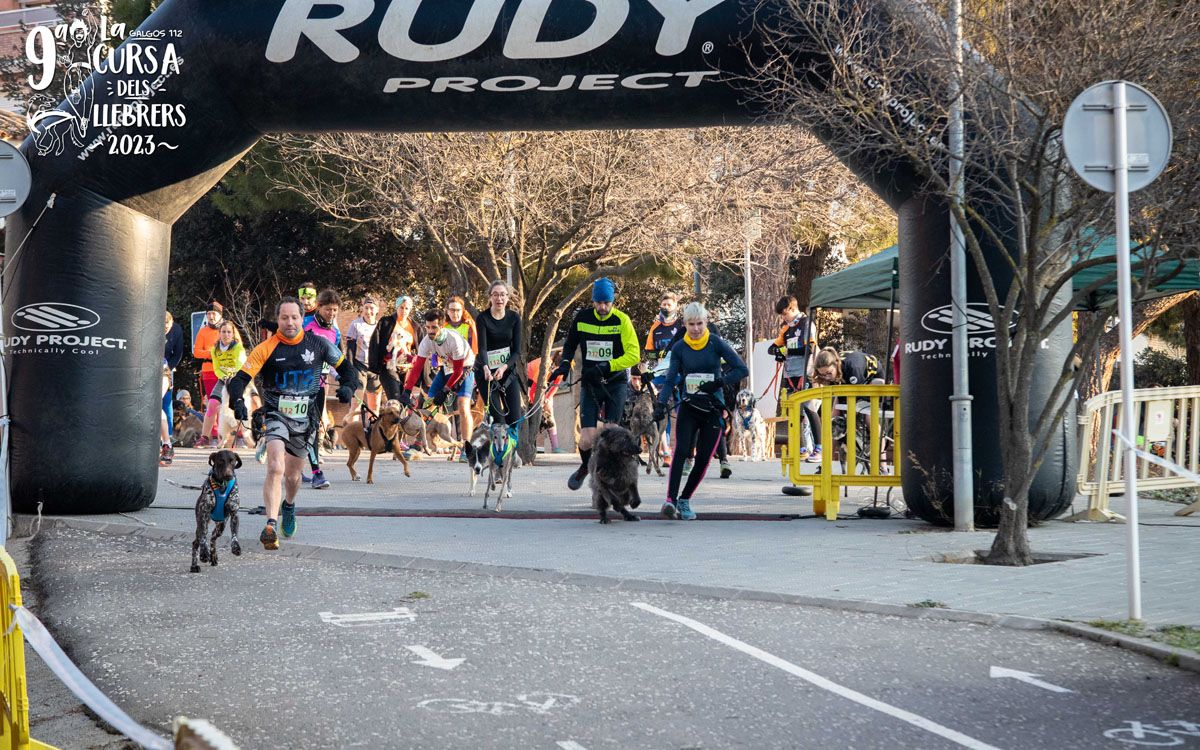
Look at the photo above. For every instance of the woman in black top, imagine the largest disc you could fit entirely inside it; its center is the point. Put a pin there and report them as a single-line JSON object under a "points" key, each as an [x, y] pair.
{"points": [[498, 365]]}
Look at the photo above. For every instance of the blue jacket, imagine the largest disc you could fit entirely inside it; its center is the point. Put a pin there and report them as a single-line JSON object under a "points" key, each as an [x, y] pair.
{"points": [[701, 365]]}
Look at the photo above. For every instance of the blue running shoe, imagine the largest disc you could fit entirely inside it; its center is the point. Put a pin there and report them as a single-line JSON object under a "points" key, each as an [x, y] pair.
{"points": [[288, 520], [319, 482], [685, 510]]}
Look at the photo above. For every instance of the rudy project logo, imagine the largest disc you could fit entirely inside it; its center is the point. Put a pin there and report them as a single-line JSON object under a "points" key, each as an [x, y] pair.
{"points": [[54, 317], [979, 320], [524, 40]]}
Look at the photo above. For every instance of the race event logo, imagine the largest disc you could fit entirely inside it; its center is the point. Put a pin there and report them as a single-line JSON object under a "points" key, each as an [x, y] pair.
{"points": [[50, 324], [981, 337], [524, 40], [131, 71]]}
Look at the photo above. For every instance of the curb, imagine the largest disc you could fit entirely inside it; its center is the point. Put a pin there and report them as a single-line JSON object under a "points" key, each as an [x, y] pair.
{"points": [[1169, 654]]}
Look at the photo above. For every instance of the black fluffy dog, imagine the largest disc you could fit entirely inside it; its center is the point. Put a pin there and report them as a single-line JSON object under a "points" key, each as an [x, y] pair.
{"points": [[219, 502], [614, 472]]}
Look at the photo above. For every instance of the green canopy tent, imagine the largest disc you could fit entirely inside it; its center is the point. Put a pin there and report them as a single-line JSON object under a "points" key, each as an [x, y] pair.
{"points": [[868, 284]]}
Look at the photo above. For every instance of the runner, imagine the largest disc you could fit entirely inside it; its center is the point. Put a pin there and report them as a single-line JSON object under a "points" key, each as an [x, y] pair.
{"points": [[308, 297], [228, 356], [173, 354], [202, 346], [455, 358], [797, 340], [393, 344], [499, 369], [458, 321], [358, 346], [696, 369], [322, 322], [290, 364], [664, 331], [605, 337]]}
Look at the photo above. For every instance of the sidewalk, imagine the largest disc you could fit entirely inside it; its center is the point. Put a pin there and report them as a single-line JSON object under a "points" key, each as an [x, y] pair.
{"points": [[547, 528]]}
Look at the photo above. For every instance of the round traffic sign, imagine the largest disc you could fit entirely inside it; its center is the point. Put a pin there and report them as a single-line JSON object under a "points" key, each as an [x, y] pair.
{"points": [[1089, 136], [15, 179]]}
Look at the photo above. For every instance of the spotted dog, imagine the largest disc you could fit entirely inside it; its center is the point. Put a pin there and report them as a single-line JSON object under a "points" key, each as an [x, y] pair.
{"points": [[219, 502], [749, 427], [479, 454]]}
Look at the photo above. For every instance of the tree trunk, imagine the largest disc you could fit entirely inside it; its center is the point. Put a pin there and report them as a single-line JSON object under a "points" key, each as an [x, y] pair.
{"points": [[1101, 367], [877, 334], [1191, 338], [1011, 545]]}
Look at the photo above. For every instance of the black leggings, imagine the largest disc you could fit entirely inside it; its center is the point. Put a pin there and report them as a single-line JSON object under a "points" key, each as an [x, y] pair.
{"points": [[699, 431], [318, 433], [392, 386], [503, 399]]}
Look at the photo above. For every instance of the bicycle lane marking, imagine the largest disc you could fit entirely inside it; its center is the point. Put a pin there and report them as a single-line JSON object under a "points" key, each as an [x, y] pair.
{"points": [[825, 684]]}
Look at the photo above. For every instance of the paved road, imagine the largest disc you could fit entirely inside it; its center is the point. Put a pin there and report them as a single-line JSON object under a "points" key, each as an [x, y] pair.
{"points": [[564, 667]]}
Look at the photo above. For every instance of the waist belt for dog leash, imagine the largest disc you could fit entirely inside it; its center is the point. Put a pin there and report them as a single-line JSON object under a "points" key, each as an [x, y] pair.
{"points": [[221, 496]]}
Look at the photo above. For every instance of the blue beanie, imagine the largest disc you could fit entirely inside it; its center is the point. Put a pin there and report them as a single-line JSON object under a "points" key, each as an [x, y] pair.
{"points": [[603, 291]]}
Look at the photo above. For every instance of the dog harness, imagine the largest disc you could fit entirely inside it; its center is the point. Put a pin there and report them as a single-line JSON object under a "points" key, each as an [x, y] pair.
{"points": [[746, 420], [498, 457], [221, 496]]}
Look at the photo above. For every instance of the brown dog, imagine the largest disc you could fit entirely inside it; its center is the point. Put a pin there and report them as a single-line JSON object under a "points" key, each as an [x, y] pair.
{"points": [[382, 439]]}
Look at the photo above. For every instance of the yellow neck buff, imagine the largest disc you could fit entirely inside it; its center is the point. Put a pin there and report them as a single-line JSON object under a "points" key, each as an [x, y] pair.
{"points": [[699, 343]]}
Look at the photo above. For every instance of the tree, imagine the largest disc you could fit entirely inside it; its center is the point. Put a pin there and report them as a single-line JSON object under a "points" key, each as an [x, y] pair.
{"points": [[559, 209], [874, 80]]}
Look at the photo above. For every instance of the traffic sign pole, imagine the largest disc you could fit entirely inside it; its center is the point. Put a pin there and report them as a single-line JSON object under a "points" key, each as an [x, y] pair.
{"points": [[1125, 301], [1118, 138]]}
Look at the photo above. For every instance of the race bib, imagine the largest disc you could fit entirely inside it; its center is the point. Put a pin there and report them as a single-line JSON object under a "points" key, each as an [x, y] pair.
{"points": [[599, 351], [693, 382], [497, 357], [293, 408], [793, 344]]}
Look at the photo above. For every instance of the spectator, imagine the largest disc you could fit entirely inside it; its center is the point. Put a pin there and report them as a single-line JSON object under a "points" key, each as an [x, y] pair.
{"points": [[358, 346], [172, 355], [202, 347]]}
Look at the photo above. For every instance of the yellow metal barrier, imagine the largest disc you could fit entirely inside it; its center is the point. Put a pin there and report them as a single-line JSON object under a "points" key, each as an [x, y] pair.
{"points": [[882, 429], [14, 723]]}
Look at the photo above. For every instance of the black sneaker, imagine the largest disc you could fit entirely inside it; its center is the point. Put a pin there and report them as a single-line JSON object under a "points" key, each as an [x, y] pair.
{"points": [[726, 470], [669, 510], [575, 481]]}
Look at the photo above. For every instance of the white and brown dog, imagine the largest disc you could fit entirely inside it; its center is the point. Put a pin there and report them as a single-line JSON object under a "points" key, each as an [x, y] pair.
{"points": [[749, 427], [479, 454]]}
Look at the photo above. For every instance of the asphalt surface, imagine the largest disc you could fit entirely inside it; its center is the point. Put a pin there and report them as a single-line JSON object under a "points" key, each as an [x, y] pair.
{"points": [[562, 666]]}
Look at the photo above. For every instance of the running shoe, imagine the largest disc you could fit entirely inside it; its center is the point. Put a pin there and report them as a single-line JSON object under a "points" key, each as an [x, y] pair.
{"points": [[260, 452], [288, 521], [803, 453], [814, 457], [668, 510], [685, 510], [202, 443], [726, 470], [575, 481], [268, 538], [166, 455], [319, 482]]}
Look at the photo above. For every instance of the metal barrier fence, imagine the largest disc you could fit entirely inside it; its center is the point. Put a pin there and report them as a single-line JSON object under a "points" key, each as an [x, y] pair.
{"points": [[860, 424], [14, 724], [1168, 421]]}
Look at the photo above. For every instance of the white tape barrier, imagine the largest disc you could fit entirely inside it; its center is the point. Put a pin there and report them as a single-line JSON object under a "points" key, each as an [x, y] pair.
{"points": [[65, 670], [1173, 468]]}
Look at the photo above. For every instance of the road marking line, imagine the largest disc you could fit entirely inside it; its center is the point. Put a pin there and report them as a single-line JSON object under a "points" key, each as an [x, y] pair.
{"points": [[570, 745], [918, 721]]}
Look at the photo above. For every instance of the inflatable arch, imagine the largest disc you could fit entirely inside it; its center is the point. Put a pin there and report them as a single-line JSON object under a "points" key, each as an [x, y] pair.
{"points": [[188, 93]]}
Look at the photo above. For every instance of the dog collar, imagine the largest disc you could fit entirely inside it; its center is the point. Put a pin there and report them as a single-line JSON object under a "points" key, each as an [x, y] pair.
{"points": [[221, 495]]}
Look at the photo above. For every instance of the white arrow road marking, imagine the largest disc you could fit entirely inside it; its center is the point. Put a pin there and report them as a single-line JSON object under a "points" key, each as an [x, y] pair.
{"points": [[1027, 677], [433, 660], [918, 721], [570, 745]]}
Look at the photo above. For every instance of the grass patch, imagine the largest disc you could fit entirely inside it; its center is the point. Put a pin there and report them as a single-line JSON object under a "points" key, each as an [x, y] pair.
{"points": [[1179, 636], [415, 595], [927, 604]]}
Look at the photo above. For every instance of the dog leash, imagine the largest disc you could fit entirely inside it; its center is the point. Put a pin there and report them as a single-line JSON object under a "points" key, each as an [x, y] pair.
{"points": [[771, 385]]}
